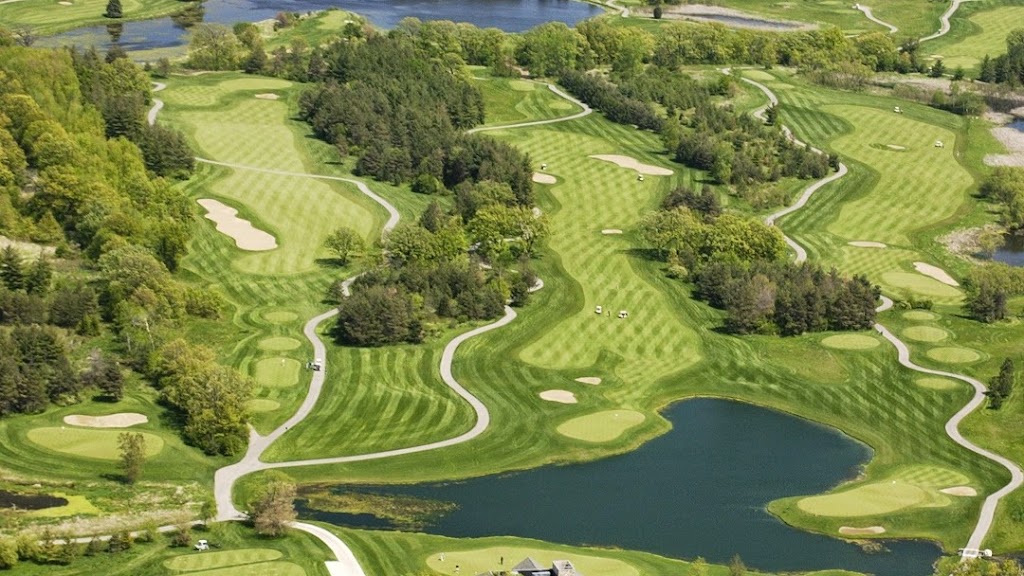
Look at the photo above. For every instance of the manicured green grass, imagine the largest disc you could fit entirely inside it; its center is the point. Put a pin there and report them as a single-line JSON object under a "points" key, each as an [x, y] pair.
{"points": [[601, 426], [88, 443], [280, 316], [278, 343], [263, 405], [919, 315], [951, 355], [211, 560], [317, 29], [937, 383], [918, 486], [512, 100], [50, 17], [484, 559], [925, 333], [851, 342], [986, 33], [277, 372]]}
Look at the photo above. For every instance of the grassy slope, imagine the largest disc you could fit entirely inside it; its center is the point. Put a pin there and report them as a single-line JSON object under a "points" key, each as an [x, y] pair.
{"points": [[979, 29], [49, 17]]}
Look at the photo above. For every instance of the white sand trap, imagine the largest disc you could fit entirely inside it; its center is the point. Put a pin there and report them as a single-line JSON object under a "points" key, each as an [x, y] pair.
{"points": [[867, 244], [960, 491], [895, 147], [267, 96], [560, 396], [851, 531], [592, 380], [246, 236], [540, 178], [936, 273], [608, 231], [633, 164], [120, 420], [536, 212]]}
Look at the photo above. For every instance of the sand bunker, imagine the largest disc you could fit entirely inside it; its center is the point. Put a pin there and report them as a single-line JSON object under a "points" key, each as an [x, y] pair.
{"points": [[609, 231], [866, 531], [245, 235], [63, 3], [895, 147], [867, 244], [560, 396], [121, 420], [960, 491], [267, 96], [540, 178], [1013, 139], [936, 273], [592, 380], [633, 164]]}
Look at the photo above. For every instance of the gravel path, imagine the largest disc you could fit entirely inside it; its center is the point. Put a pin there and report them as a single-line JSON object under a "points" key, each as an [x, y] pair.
{"points": [[867, 12], [944, 21], [988, 509], [158, 104]]}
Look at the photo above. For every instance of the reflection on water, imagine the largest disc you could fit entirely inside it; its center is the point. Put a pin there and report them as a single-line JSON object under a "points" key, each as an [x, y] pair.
{"points": [[1012, 251]]}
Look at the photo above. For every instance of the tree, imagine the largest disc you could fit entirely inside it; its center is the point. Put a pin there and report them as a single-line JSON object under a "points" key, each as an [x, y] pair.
{"points": [[737, 567], [39, 277], [937, 69], [213, 47], [343, 242], [1001, 387], [12, 271], [274, 508], [182, 536], [114, 9], [8, 554], [771, 115], [377, 315], [657, 12], [133, 455]]}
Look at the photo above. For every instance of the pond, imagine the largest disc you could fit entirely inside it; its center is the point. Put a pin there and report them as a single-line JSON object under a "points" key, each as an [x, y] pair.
{"points": [[29, 501], [509, 15], [1012, 251], [700, 490]]}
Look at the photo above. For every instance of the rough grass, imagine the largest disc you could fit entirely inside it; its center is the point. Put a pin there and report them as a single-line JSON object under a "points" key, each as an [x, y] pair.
{"points": [[210, 560], [88, 443], [851, 342], [49, 17], [601, 426], [985, 33]]}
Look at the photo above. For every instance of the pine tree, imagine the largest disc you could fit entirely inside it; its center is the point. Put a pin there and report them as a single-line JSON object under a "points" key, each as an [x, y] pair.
{"points": [[114, 9], [39, 277], [133, 454], [12, 269]]}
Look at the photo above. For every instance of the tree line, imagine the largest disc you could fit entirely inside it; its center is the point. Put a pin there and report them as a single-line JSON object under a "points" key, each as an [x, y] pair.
{"points": [[739, 265], [1005, 187], [989, 289]]}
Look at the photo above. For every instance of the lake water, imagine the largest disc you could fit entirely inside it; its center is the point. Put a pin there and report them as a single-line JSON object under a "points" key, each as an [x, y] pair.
{"points": [[699, 490], [509, 15], [1012, 251]]}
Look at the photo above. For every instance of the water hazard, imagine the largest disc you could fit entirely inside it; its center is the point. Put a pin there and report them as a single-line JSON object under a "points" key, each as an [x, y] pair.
{"points": [[1012, 251], [509, 15], [699, 490]]}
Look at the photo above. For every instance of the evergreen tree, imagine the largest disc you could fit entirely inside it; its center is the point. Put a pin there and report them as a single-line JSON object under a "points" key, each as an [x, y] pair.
{"points": [[114, 9], [12, 268], [987, 70], [937, 69], [1001, 387], [40, 275], [133, 453]]}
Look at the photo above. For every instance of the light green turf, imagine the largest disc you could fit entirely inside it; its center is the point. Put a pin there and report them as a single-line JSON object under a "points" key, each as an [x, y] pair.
{"points": [[987, 35], [488, 559], [937, 383], [850, 342], [89, 443], [952, 355], [921, 286], [925, 333], [49, 17], [920, 315], [277, 372], [263, 405], [600, 426], [259, 569], [213, 560], [522, 85], [507, 101], [866, 500], [280, 316], [279, 343], [77, 505]]}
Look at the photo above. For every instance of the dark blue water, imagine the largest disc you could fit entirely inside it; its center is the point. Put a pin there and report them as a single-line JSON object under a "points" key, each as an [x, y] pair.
{"points": [[700, 490], [1012, 251], [509, 15]]}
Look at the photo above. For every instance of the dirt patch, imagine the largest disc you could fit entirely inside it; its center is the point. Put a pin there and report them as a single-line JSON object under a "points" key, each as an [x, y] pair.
{"points": [[544, 178], [245, 235], [609, 231], [867, 244], [1013, 140], [268, 96], [866, 531], [27, 248], [121, 420], [960, 491], [560, 396], [936, 273], [729, 17], [592, 380], [633, 164]]}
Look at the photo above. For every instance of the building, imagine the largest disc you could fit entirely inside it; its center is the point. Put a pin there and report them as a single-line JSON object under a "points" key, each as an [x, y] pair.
{"points": [[530, 567]]}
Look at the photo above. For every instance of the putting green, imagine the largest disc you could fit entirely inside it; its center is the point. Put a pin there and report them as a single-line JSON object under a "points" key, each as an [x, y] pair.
{"points": [[850, 342], [279, 316], [561, 105], [258, 569], [921, 285], [522, 85], [601, 426], [920, 315], [953, 355], [489, 559], [936, 383], [925, 333], [866, 500], [89, 443], [279, 343], [277, 372], [213, 560], [263, 405]]}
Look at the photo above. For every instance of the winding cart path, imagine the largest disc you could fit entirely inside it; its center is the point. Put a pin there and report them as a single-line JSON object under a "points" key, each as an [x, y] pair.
{"points": [[867, 12], [988, 509], [944, 21]]}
